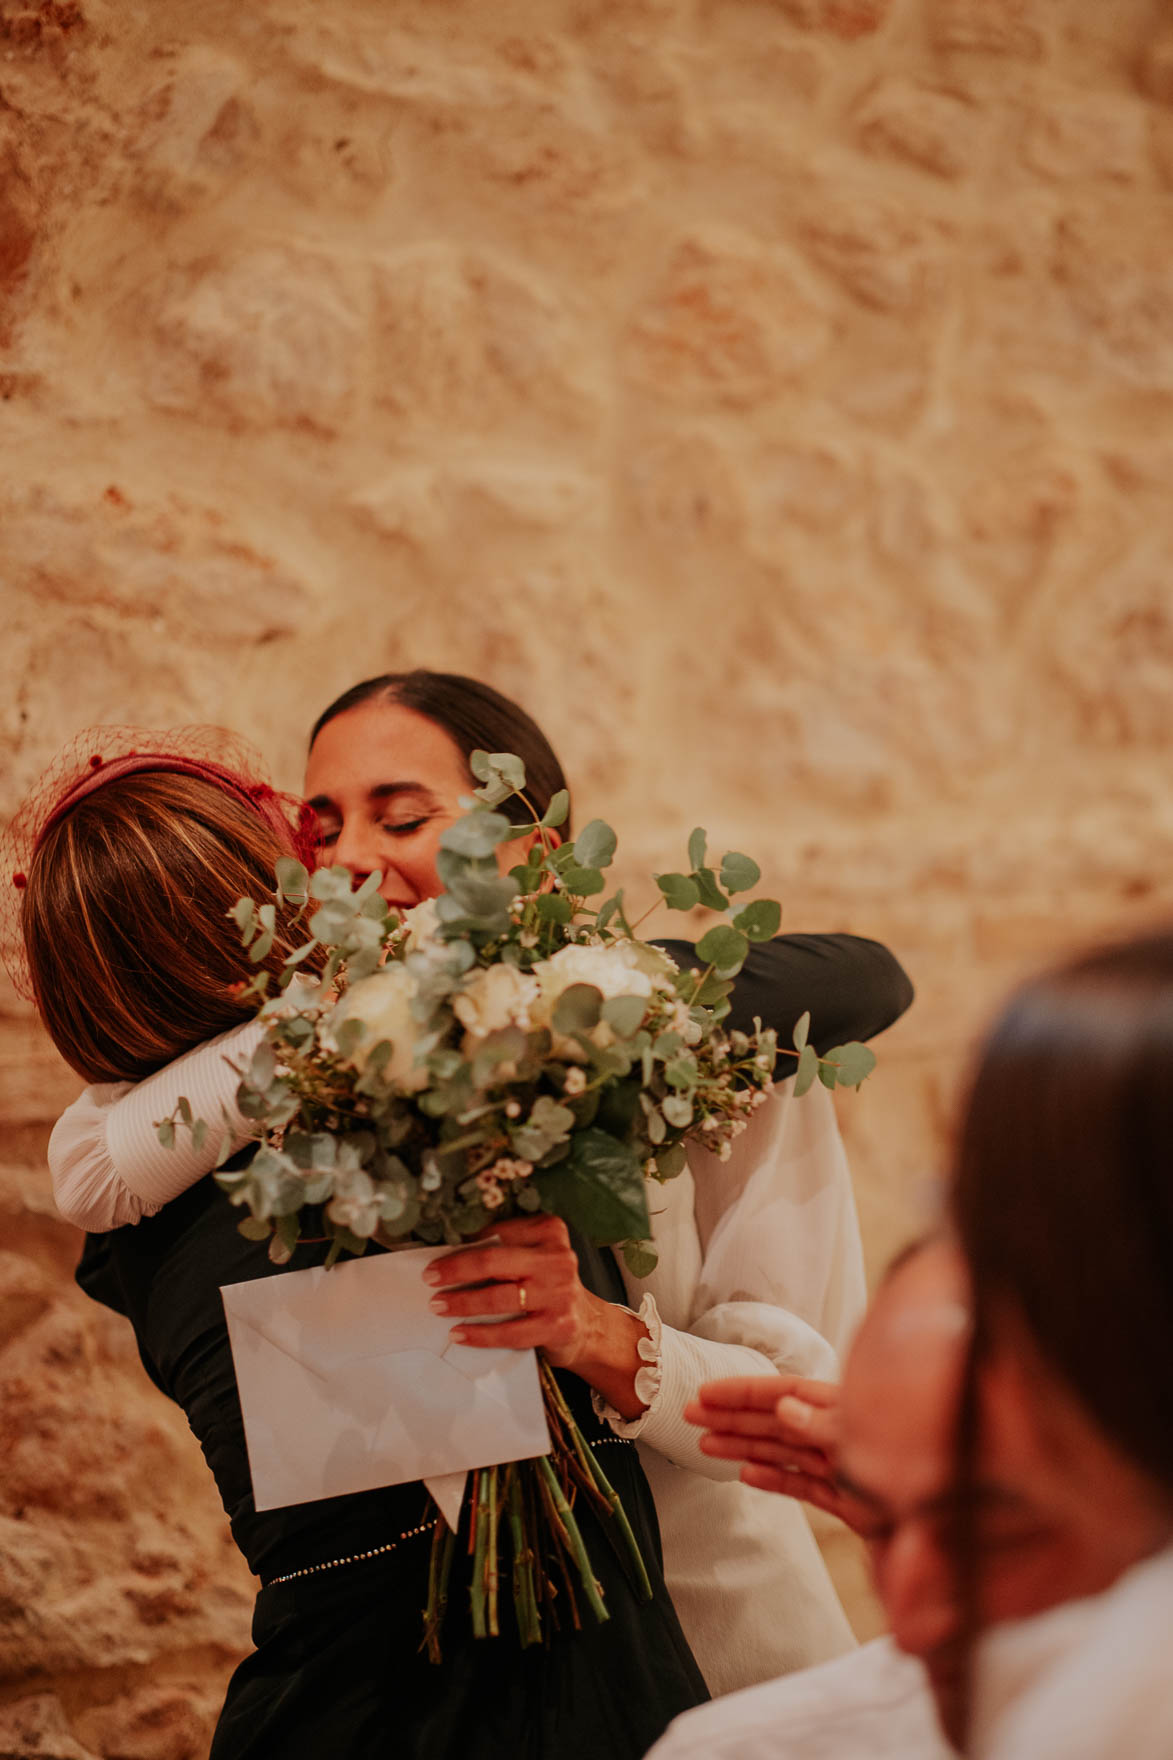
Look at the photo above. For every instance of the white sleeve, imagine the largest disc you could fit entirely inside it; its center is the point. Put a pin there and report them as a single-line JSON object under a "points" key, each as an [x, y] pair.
{"points": [[107, 1163], [760, 1272]]}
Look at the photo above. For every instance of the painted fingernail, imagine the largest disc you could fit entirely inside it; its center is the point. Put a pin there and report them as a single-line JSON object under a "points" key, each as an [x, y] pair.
{"points": [[439, 1304], [459, 1335], [794, 1411], [434, 1274]]}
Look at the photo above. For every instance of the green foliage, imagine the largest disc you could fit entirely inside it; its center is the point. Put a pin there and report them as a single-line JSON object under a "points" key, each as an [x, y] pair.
{"points": [[477, 834], [808, 1069], [582, 882], [760, 920], [640, 1257], [578, 1008], [599, 1189], [710, 893], [724, 948], [595, 845], [624, 1014], [520, 1107], [681, 892], [739, 873], [852, 1063]]}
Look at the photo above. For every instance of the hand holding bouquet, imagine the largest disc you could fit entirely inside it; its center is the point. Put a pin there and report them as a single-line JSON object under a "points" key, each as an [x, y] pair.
{"points": [[511, 1046]]}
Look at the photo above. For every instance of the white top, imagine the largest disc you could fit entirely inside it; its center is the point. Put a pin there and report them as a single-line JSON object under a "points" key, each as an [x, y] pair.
{"points": [[1088, 1681], [873, 1704], [760, 1270]]}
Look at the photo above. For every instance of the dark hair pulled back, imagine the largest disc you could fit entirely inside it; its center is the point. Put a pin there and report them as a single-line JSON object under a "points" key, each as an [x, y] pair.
{"points": [[474, 716]]}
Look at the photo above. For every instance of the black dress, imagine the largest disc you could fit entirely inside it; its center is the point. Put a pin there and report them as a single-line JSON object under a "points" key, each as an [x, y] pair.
{"points": [[338, 1670]]}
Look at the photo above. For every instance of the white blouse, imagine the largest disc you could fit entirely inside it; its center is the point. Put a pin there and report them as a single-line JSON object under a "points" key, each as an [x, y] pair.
{"points": [[760, 1271], [1087, 1681]]}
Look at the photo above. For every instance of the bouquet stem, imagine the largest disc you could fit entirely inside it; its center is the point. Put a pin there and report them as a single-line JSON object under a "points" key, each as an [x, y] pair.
{"points": [[550, 1561]]}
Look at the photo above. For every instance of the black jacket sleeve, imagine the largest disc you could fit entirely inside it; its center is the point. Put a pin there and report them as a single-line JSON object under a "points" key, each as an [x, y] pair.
{"points": [[853, 987]]}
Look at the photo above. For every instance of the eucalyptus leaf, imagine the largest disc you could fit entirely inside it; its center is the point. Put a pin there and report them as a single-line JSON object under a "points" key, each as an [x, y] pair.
{"points": [[681, 893], [760, 920], [640, 1257], [802, 1027], [698, 845], [583, 882], [624, 1014], [739, 873], [595, 845], [253, 1229], [554, 907], [724, 948], [852, 1063], [612, 908], [677, 1109], [712, 897], [244, 915], [477, 834], [293, 879], [808, 1069], [558, 810], [578, 1008], [671, 1161]]}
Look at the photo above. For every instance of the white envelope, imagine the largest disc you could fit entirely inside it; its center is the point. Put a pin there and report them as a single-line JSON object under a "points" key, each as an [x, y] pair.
{"points": [[348, 1382]]}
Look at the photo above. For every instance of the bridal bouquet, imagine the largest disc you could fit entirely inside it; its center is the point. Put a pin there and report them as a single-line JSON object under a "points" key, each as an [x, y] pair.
{"points": [[509, 1046]]}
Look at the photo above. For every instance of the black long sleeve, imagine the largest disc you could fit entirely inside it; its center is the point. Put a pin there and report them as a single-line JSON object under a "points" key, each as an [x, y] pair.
{"points": [[853, 987]]}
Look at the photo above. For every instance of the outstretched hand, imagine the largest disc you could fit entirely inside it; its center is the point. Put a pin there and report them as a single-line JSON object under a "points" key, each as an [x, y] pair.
{"points": [[785, 1431], [526, 1280]]}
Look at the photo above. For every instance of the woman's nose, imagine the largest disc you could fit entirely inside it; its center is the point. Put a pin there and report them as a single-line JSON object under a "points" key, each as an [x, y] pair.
{"points": [[916, 1582], [354, 848]]}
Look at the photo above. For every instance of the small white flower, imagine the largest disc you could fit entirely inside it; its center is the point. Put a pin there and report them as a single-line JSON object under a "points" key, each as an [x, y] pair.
{"points": [[760, 1098], [575, 1082], [512, 1109], [492, 1197], [511, 1167], [724, 1152], [710, 1124]]}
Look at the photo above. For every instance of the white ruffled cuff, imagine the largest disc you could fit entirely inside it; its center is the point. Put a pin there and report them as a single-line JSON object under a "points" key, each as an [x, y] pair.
{"points": [[649, 1377]]}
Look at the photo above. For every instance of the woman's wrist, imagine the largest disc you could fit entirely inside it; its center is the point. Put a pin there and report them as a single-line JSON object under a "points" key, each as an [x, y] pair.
{"points": [[608, 1357]]}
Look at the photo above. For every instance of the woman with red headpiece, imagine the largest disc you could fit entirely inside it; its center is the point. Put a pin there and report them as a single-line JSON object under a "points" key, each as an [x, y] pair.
{"points": [[760, 1265], [130, 866]]}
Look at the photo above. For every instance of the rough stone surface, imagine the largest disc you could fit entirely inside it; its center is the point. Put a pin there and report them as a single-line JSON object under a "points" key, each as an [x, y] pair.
{"points": [[772, 395]]}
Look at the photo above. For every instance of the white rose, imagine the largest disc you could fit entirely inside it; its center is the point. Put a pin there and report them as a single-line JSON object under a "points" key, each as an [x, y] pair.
{"points": [[382, 1003], [492, 998], [421, 923], [619, 968]]}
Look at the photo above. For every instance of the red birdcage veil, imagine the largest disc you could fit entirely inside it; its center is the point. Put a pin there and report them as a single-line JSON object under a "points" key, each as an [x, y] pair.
{"points": [[100, 755]]}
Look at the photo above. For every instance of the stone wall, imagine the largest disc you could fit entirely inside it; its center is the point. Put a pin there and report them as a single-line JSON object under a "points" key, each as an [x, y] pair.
{"points": [[774, 396]]}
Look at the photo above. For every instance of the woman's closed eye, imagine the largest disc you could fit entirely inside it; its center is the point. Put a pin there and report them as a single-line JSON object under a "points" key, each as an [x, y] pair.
{"points": [[401, 827]]}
